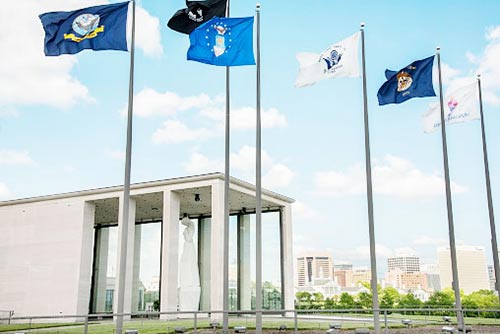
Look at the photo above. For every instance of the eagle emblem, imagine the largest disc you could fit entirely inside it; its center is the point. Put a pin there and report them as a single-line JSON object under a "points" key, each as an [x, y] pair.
{"points": [[85, 24], [404, 81], [332, 59]]}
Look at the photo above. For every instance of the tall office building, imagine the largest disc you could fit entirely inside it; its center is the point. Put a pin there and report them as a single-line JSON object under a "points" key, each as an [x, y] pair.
{"points": [[407, 264], [406, 281], [342, 266], [431, 270], [314, 265], [361, 275], [472, 269]]}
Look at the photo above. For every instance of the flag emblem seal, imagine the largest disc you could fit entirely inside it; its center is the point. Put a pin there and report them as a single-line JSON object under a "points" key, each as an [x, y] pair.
{"points": [[196, 16], [332, 59], [222, 38], [404, 81], [452, 104], [85, 25]]}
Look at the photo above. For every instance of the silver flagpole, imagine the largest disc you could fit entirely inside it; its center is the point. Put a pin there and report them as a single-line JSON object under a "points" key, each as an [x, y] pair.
{"points": [[126, 187], [258, 194], [451, 228], [225, 292], [494, 244], [369, 193]]}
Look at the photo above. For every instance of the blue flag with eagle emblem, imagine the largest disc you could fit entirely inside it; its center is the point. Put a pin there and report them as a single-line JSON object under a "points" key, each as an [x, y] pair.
{"points": [[97, 28], [223, 41], [415, 80]]}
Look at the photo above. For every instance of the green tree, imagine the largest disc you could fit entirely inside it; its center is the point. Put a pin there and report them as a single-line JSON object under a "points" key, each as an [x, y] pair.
{"points": [[330, 303], [441, 299], [303, 299], [410, 301], [365, 299], [346, 301], [482, 299], [389, 297], [318, 300]]}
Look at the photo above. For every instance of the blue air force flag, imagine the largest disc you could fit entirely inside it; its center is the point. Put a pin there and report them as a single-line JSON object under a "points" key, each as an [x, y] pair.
{"points": [[415, 80], [460, 105], [96, 28], [339, 60], [223, 41]]}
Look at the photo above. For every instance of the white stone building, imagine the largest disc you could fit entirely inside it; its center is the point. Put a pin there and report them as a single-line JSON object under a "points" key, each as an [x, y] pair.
{"points": [[313, 265], [472, 269], [59, 253]]}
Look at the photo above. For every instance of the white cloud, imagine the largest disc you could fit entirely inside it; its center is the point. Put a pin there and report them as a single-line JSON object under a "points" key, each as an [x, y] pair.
{"points": [[425, 240], [28, 77], [487, 64], [4, 191], [277, 176], [10, 157], [149, 102], [448, 73], [362, 253], [404, 251], [199, 164], [493, 33], [393, 176], [147, 33], [177, 132], [242, 164], [303, 212], [245, 117]]}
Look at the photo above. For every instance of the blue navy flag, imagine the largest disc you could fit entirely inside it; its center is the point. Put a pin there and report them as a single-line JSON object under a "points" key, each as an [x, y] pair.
{"points": [[223, 41], [415, 80], [96, 28]]}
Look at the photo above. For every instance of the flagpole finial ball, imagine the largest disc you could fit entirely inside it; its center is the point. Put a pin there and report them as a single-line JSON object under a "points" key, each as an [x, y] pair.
{"points": [[362, 24], [479, 76], [438, 48], [257, 6]]}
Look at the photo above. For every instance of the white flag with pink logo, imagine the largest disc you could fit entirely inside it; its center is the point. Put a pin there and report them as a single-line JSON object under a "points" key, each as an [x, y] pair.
{"points": [[459, 106]]}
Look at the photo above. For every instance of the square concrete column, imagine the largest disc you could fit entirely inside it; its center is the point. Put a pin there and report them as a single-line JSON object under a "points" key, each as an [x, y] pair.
{"points": [[85, 275], [170, 253], [137, 266], [287, 254], [244, 265], [127, 301], [217, 249]]}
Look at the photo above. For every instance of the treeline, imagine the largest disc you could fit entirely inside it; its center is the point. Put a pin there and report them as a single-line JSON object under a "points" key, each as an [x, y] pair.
{"points": [[390, 298]]}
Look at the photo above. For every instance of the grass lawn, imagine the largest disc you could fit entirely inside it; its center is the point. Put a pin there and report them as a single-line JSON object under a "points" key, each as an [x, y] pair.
{"points": [[271, 325]]}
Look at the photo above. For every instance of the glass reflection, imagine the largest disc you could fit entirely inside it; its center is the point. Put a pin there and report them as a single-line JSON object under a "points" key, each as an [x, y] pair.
{"points": [[104, 271]]}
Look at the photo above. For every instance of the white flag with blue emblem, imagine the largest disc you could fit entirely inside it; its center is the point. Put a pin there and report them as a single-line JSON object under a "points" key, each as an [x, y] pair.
{"points": [[339, 60], [459, 106]]}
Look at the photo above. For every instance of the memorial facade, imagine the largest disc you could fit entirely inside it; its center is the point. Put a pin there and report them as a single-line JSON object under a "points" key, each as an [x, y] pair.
{"points": [[59, 254]]}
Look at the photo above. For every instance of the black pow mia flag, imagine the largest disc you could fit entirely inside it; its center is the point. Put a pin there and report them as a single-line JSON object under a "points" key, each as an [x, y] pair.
{"points": [[197, 12]]}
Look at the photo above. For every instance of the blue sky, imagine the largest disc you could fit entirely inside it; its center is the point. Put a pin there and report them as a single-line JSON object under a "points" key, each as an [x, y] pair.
{"points": [[62, 126]]}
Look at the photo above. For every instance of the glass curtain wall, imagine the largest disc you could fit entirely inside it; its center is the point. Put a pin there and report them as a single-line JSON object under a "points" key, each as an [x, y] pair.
{"points": [[146, 271], [104, 271], [271, 261], [146, 282], [147, 251], [204, 236]]}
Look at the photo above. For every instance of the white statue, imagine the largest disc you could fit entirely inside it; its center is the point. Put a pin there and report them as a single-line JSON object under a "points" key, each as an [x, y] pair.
{"points": [[189, 276]]}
